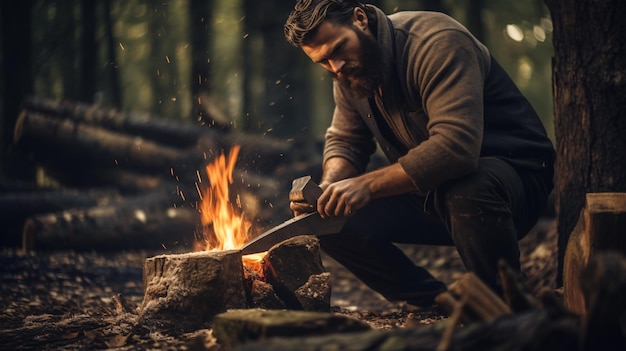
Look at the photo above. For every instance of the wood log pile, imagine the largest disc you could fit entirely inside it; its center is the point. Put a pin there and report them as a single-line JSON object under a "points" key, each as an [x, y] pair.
{"points": [[127, 180]]}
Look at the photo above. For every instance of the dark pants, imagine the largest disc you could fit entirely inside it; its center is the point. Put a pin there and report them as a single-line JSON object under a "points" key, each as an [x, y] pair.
{"points": [[483, 214]]}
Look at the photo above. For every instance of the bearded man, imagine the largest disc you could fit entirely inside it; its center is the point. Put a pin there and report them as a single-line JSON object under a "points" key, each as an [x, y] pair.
{"points": [[470, 163]]}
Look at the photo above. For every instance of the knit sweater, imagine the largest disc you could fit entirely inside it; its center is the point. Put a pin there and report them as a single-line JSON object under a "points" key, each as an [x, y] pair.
{"points": [[444, 102]]}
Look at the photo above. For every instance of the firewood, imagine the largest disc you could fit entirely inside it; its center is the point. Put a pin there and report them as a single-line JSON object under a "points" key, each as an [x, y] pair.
{"points": [[164, 131], [240, 326], [185, 291], [262, 295], [515, 292], [289, 265], [314, 295], [73, 145], [121, 305], [479, 298], [600, 227], [146, 222], [28, 203]]}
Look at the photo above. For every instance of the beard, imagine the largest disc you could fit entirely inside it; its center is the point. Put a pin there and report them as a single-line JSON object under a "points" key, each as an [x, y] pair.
{"points": [[362, 78]]}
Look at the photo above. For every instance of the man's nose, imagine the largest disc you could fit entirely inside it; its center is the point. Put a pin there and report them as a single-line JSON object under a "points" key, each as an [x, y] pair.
{"points": [[336, 65]]}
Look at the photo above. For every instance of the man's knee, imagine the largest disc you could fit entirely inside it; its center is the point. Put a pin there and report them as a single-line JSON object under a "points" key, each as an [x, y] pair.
{"points": [[493, 188]]}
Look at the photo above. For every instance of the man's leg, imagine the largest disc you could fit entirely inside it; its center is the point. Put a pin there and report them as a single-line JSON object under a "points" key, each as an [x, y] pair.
{"points": [[487, 213], [365, 247]]}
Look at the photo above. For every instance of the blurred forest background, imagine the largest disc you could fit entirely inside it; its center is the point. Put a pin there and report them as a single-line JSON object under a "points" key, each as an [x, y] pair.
{"points": [[166, 57], [213, 74]]}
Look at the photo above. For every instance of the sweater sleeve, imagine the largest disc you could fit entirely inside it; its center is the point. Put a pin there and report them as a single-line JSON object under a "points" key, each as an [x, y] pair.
{"points": [[448, 71], [348, 136]]}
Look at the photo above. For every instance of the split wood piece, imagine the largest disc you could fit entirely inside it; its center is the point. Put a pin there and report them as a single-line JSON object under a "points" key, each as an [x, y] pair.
{"points": [[237, 327], [186, 291], [145, 222], [515, 294], [314, 295], [262, 295], [603, 283], [479, 299], [600, 227], [121, 305], [290, 264]]}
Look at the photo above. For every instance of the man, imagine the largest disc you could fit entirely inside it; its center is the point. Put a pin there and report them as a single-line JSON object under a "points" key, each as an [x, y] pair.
{"points": [[470, 162]]}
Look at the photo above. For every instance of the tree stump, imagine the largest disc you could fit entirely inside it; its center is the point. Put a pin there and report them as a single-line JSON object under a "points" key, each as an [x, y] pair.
{"points": [[600, 227], [188, 290]]}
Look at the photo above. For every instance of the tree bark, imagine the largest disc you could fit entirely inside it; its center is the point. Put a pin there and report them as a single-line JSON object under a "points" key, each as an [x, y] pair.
{"points": [[15, 18], [589, 88], [147, 222]]}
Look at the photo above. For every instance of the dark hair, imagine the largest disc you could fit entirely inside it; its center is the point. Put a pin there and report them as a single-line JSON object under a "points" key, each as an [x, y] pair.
{"points": [[307, 15]]}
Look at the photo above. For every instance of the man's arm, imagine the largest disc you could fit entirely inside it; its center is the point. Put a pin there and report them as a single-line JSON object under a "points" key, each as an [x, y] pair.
{"points": [[344, 195]]}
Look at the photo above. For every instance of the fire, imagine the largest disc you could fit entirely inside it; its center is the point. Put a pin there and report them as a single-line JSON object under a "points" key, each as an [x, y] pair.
{"points": [[224, 226]]}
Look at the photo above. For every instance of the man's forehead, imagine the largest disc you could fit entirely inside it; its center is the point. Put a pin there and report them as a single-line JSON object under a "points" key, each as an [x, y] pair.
{"points": [[324, 40]]}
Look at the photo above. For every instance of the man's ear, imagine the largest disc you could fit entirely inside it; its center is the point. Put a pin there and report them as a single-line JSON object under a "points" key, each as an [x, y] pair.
{"points": [[360, 18]]}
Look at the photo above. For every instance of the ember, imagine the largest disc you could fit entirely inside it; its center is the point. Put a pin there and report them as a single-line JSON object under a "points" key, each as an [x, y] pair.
{"points": [[224, 226]]}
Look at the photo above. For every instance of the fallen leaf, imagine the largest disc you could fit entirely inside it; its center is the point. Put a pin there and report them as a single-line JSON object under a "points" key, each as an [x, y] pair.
{"points": [[72, 335], [117, 341], [92, 335]]}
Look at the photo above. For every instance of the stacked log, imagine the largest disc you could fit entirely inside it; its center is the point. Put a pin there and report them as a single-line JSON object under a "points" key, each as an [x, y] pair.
{"points": [[143, 160]]}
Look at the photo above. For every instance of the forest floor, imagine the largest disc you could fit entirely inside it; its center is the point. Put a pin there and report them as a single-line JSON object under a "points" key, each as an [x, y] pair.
{"points": [[65, 300]]}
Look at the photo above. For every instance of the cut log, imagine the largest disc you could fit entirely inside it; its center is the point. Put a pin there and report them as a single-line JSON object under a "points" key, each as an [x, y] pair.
{"points": [[290, 264], [161, 130], [26, 204], [186, 291], [240, 326], [601, 226], [145, 222], [75, 145]]}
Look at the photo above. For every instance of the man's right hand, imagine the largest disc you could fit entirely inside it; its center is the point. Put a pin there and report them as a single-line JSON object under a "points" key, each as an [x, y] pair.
{"points": [[299, 208]]}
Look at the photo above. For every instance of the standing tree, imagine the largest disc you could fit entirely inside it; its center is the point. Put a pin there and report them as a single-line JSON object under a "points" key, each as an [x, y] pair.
{"points": [[589, 78], [15, 17]]}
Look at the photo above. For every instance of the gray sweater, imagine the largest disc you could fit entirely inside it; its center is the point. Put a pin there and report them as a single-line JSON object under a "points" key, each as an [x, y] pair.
{"points": [[445, 102]]}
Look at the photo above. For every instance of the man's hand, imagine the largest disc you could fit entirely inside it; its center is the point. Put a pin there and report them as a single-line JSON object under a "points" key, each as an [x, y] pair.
{"points": [[343, 198], [299, 208]]}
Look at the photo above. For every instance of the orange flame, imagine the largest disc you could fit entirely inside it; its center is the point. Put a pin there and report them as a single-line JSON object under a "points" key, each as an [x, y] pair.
{"points": [[224, 227]]}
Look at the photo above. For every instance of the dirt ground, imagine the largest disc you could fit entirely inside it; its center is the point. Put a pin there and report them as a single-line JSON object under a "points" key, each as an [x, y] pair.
{"points": [[66, 300]]}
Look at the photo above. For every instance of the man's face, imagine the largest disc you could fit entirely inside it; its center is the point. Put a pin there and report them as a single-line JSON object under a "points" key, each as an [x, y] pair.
{"points": [[350, 54]]}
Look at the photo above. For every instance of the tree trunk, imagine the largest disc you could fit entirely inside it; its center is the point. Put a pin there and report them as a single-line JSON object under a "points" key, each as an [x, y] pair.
{"points": [[89, 50], [15, 18], [589, 89]]}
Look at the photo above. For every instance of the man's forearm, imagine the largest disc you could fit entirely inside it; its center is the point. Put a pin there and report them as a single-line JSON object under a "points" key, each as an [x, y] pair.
{"points": [[387, 181], [337, 168]]}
